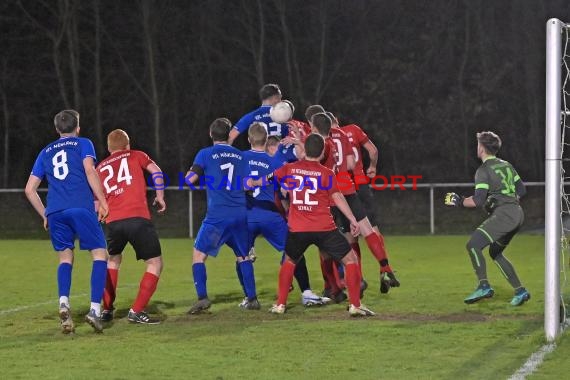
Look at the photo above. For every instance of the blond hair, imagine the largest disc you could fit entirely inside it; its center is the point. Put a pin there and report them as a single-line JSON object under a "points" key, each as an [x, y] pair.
{"points": [[117, 140]]}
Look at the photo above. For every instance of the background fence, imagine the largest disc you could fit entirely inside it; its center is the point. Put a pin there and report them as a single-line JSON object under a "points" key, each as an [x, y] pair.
{"points": [[399, 211]]}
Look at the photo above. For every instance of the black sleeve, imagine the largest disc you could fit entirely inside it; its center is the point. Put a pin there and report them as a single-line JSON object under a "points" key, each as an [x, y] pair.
{"points": [[520, 188], [197, 169], [480, 197]]}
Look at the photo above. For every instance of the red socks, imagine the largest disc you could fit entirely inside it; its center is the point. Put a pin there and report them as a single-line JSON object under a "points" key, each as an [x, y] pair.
{"points": [[110, 288], [375, 243], [352, 279], [356, 248], [285, 280], [332, 281], [146, 290]]}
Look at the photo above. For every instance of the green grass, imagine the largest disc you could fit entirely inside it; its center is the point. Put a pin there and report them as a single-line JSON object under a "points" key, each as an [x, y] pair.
{"points": [[423, 329]]}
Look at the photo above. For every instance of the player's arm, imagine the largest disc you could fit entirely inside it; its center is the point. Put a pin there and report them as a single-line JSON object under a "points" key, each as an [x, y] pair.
{"points": [[194, 173], [373, 154], [158, 181], [234, 133], [340, 202], [34, 198], [520, 188], [96, 187], [298, 146]]}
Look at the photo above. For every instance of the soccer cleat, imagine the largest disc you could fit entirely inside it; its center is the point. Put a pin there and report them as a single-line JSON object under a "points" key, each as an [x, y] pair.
{"points": [[107, 315], [479, 294], [67, 326], [277, 309], [250, 304], [252, 256], [142, 318], [521, 297], [338, 297], [388, 280], [309, 299], [199, 306], [95, 321], [360, 311]]}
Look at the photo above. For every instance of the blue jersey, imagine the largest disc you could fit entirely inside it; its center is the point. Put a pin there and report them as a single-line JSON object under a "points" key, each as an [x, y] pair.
{"points": [[261, 115], [62, 163], [224, 171], [285, 154]]}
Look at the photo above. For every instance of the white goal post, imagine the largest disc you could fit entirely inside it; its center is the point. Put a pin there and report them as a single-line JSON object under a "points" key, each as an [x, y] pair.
{"points": [[553, 317]]}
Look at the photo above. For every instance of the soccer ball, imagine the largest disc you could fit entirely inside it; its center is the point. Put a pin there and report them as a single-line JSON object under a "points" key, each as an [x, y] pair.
{"points": [[281, 112]]}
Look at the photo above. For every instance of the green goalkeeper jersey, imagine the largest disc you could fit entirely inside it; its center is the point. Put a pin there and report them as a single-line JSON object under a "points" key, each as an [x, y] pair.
{"points": [[498, 177]]}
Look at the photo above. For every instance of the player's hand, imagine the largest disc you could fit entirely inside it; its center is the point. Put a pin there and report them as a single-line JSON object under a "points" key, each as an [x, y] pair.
{"points": [[454, 200], [45, 223], [102, 211], [289, 140], [354, 228], [161, 205], [371, 172]]}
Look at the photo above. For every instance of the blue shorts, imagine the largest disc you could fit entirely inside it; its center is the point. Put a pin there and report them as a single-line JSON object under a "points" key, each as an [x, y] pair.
{"points": [[216, 232], [272, 227], [66, 225]]}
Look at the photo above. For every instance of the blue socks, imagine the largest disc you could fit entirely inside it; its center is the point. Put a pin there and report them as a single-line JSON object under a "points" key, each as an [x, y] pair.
{"points": [[64, 279], [199, 273], [98, 278], [246, 268], [240, 277]]}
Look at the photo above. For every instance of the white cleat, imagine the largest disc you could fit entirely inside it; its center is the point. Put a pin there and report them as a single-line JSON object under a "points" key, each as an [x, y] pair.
{"points": [[361, 311], [67, 326], [277, 309], [311, 299]]}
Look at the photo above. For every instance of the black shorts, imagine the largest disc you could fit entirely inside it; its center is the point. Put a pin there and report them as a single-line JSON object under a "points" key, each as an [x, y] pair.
{"points": [[330, 242], [367, 200], [139, 232], [355, 206]]}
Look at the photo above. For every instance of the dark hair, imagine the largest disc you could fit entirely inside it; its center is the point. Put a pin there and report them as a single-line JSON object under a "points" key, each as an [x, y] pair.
{"points": [[269, 90], [313, 110], [66, 121], [490, 141], [322, 122], [257, 134], [314, 145], [220, 129]]}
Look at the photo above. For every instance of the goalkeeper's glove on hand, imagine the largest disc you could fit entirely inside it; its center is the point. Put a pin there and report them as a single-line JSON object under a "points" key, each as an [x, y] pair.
{"points": [[453, 199]]}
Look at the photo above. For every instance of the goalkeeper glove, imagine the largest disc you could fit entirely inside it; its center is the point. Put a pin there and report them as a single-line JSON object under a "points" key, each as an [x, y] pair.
{"points": [[453, 199]]}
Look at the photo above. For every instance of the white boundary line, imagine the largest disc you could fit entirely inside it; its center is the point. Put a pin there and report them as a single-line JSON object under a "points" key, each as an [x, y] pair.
{"points": [[536, 359], [54, 301]]}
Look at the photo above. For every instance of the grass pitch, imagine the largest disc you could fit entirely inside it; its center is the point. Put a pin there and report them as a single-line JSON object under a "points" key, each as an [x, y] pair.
{"points": [[423, 329]]}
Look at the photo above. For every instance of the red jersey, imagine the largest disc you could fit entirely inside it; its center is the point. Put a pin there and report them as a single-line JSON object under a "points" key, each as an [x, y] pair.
{"points": [[122, 176], [310, 186], [357, 138], [343, 150], [304, 129]]}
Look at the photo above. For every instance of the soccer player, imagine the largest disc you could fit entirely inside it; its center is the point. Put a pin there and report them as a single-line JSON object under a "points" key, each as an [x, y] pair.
{"points": [[270, 95], [263, 216], [322, 124], [498, 188], [312, 189], [359, 139], [221, 168], [69, 166], [122, 175]]}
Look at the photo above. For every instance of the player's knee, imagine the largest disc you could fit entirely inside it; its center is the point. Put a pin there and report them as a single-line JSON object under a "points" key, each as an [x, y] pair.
{"points": [[350, 258], [154, 265], [495, 250]]}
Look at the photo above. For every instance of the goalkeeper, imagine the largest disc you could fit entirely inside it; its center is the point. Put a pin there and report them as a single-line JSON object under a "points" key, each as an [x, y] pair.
{"points": [[498, 189]]}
